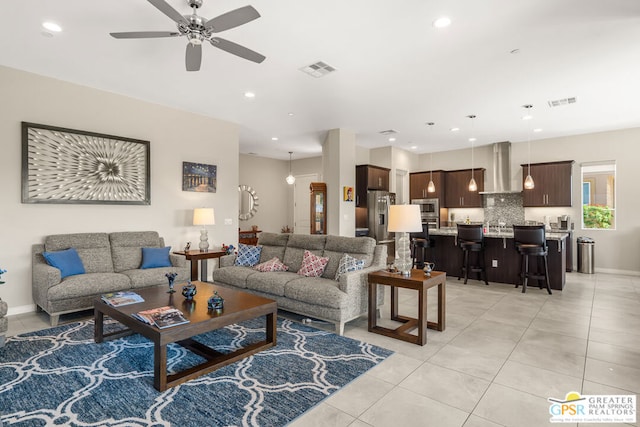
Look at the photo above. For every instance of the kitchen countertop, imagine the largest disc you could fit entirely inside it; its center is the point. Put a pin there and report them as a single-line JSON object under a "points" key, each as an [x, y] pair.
{"points": [[506, 234]]}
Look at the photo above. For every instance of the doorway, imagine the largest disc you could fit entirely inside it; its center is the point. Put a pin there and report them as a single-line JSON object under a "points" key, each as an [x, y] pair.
{"points": [[301, 203]]}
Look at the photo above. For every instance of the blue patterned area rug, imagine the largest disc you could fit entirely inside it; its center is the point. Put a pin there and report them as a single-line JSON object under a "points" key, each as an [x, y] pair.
{"points": [[59, 376]]}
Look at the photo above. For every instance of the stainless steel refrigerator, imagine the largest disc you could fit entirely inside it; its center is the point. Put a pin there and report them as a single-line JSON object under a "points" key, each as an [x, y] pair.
{"points": [[378, 203]]}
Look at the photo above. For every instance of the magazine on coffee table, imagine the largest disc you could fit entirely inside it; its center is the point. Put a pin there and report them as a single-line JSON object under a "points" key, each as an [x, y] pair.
{"points": [[162, 317], [118, 299]]}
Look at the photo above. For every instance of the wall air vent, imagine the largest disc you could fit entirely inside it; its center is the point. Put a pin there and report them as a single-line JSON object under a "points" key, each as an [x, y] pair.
{"points": [[388, 132], [318, 69], [563, 101]]}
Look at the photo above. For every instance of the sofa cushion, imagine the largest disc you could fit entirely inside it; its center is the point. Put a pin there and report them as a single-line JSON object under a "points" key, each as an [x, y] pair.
{"points": [[96, 283], [126, 248], [93, 248], [312, 265], [296, 246], [67, 261], [155, 257], [271, 282], [273, 245], [233, 275], [317, 291], [347, 264], [274, 264], [336, 246], [248, 255]]}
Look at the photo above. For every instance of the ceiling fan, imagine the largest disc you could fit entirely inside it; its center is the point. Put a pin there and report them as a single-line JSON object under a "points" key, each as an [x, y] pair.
{"points": [[199, 29]]}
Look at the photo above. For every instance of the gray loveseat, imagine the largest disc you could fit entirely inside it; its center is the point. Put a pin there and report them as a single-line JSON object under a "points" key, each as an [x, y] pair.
{"points": [[111, 261], [336, 301]]}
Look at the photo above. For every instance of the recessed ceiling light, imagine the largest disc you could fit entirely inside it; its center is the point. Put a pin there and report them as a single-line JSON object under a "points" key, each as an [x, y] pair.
{"points": [[454, 129], [249, 95], [472, 140], [442, 22], [537, 130], [290, 114], [392, 139], [51, 26], [274, 138], [413, 147]]}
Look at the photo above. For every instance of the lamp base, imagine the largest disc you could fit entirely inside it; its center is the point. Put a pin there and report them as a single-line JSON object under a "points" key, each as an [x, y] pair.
{"points": [[204, 241], [404, 262]]}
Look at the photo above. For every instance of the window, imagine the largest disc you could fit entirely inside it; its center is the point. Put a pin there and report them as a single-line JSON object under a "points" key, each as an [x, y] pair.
{"points": [[599, 195]]}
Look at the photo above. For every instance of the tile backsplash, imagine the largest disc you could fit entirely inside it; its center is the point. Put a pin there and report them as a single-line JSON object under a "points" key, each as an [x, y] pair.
{"points": [[503, 207]]}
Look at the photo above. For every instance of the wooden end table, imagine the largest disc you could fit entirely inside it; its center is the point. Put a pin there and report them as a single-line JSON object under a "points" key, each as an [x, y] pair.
{"points": [[238, 306], [195, 256], [419, 282]]}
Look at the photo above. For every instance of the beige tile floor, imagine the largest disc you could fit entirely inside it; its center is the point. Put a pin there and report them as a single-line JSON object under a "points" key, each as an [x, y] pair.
{"points": [[501, 356]]}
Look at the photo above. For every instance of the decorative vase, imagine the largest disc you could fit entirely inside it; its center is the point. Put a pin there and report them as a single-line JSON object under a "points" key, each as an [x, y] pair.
{"points": [[189, 291], [428, 268], [216, 302], [171, 277]]}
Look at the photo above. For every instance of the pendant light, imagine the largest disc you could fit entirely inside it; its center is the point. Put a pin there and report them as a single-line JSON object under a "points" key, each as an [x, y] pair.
{"points": [[431, 187], [290, 179], [528, 181], [472, 182]]}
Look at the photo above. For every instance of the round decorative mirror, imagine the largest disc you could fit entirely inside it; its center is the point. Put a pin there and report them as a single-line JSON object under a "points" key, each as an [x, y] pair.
{"points": [[248, 203]]}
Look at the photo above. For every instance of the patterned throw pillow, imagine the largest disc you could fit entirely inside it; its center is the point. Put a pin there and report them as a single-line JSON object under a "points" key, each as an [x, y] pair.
{"points": [[312, 265], [248, 255], [347, 264], [274, 264]]}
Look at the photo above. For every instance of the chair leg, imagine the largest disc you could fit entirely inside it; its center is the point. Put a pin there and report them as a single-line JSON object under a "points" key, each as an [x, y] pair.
{"points": [[466, 266], [526, 274], [484, 267], [521, 274], [546, 274]]}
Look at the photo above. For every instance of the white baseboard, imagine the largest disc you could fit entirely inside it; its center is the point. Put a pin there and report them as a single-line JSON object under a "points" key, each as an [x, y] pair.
{"points": [[11, 311]]}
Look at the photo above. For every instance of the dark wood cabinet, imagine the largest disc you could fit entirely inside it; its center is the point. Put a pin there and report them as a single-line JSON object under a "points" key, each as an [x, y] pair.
{"points": [[418, 182], [369, 177], [552, 184], [457, 194], [248, 237], [318, 203]]}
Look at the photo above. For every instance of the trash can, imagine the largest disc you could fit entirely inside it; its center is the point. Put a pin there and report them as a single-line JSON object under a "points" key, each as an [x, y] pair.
{"points": [[586, 246]]}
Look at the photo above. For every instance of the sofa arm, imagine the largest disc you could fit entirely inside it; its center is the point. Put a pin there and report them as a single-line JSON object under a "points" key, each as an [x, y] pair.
{"points": [[357, 282], [178, 260], [227, 260], [43, 276]]}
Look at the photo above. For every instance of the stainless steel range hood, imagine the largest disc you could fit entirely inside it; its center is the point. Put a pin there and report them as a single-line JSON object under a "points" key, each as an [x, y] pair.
{"points": [[501, 172]]}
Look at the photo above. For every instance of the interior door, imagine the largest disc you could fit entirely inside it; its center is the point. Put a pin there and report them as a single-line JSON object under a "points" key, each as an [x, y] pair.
{"points": [[301, 206]]}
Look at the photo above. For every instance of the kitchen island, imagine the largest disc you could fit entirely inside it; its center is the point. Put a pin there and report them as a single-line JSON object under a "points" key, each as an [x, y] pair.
{"points": [[502, 260]]}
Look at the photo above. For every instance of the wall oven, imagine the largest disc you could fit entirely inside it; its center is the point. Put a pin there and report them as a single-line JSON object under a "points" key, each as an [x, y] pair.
{"points": [[429, 211]]}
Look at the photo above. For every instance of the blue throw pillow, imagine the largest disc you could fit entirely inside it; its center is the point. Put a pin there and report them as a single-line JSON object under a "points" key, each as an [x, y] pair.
{"points": [[155, 257], [67, 261], [347, 264], [248, 255]]}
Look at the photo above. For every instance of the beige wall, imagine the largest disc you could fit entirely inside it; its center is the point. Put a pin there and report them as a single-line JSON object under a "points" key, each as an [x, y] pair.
{"points": [[175, 137]]}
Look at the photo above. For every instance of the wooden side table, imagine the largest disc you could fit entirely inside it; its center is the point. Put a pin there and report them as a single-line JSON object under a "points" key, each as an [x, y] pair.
{"points": [[419, 282], [195, 256]]}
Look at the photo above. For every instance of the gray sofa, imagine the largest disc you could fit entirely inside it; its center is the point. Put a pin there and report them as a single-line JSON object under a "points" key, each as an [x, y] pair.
{"points": [[111, 261], [319, 297]]}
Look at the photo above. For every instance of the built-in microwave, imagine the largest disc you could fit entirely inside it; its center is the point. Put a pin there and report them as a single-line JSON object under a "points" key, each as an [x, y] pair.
{"points": [[427, 206]]}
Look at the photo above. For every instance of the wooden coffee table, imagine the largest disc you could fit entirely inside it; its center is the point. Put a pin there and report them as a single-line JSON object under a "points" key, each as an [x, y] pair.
{"points": [[419, 282], [238, 306]]}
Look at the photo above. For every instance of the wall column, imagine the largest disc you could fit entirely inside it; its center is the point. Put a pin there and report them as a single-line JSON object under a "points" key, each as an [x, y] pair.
{"points": [[338, 168]]}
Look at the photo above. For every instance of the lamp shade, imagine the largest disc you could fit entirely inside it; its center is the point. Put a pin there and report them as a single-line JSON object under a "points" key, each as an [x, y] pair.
{"points": [[405, 218], [203, 216]]}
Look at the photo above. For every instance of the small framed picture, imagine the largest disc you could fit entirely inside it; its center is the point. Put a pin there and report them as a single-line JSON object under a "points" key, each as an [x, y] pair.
{"points": [[347, 194], [199, 177]]}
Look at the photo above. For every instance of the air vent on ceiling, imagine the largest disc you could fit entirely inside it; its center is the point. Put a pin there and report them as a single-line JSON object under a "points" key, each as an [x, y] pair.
{"points": [[388, 132], [318, 69], [563, 101]]}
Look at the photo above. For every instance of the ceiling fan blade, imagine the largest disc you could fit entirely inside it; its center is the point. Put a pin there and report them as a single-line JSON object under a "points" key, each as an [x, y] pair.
{"points": [[232, 19], [165, 8], [193, 57], [237, 50], [144, 34]]}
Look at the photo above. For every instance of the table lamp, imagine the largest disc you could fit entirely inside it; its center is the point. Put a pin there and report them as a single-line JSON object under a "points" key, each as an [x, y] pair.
{"points": [[404, 219], [203, 217]]}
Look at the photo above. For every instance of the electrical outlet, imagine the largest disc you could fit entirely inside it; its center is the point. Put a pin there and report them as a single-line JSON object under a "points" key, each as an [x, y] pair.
{"points": [[494, 263], [228, 221]]}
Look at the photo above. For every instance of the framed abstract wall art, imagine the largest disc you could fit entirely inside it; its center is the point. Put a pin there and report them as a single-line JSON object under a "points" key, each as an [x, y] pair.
{"points": [[199, 177], [61, 165]]}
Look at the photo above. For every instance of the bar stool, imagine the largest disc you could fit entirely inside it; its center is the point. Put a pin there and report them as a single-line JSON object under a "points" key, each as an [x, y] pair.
{"points": [[530, 241], [420, 242], [471, 239]]}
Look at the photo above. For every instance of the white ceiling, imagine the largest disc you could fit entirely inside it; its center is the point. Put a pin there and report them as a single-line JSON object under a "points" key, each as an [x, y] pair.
{"points": [[395, 70]]}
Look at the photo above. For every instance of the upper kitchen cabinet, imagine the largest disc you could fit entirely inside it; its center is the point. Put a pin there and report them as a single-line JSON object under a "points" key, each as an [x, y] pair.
{"points": [[418, 182], [369, 177], [457, 194], [552, 184]]}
